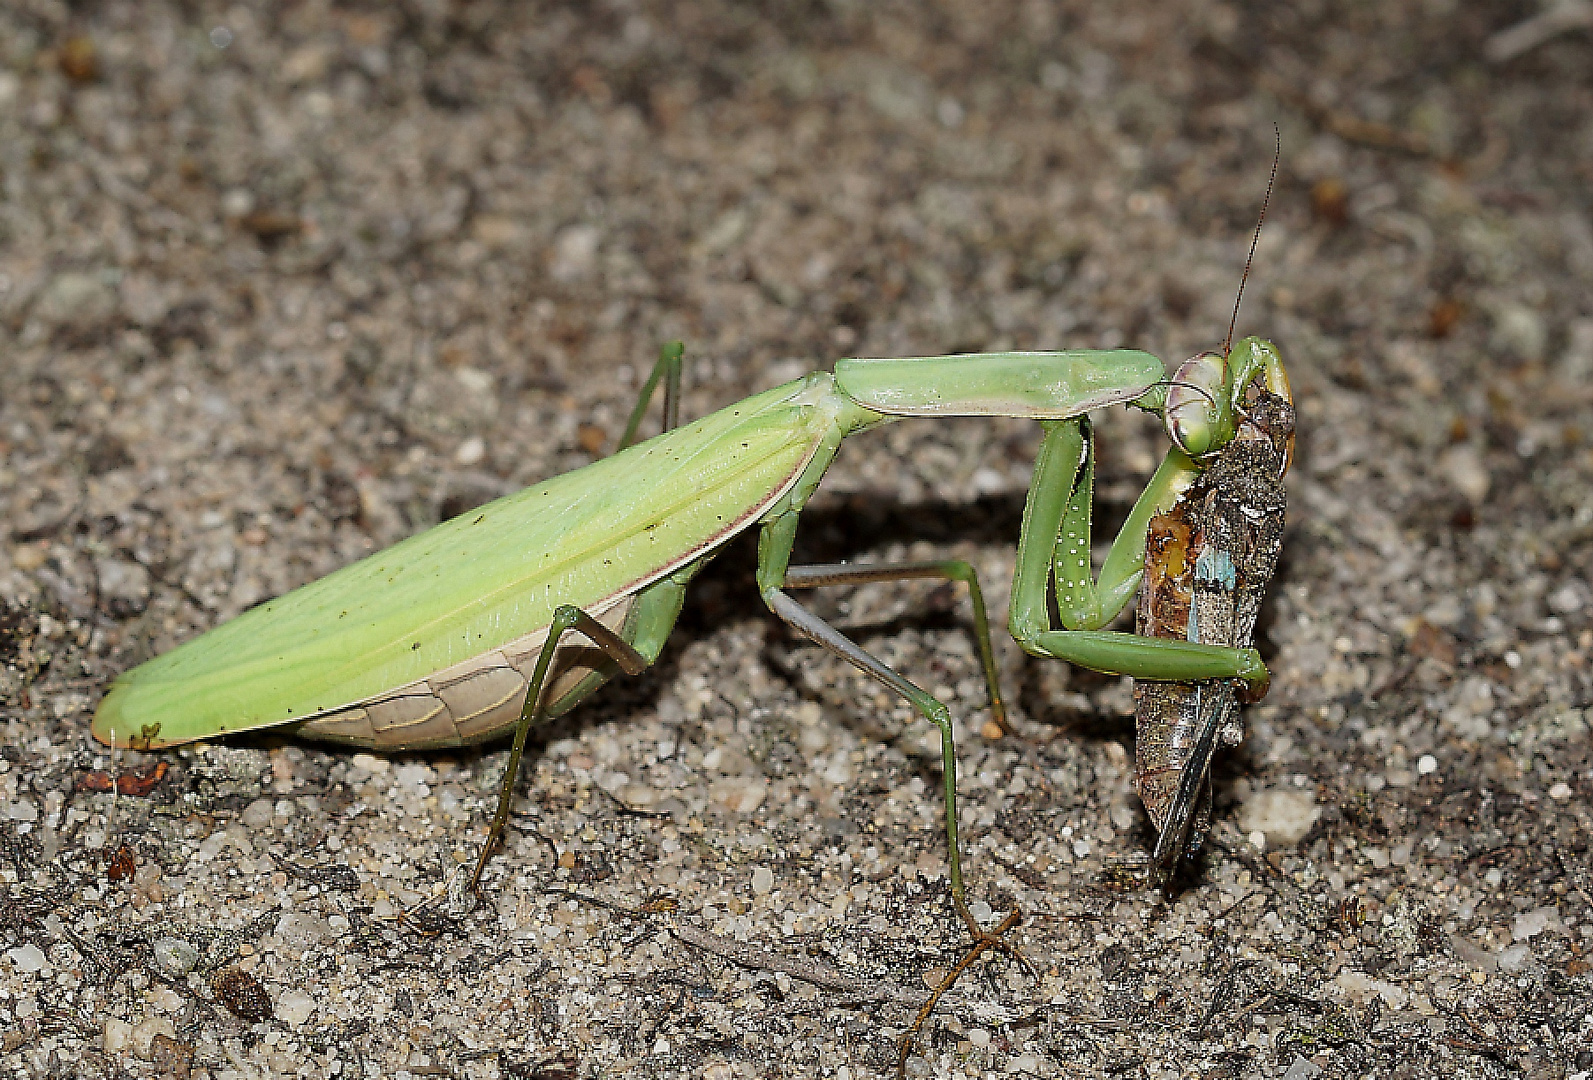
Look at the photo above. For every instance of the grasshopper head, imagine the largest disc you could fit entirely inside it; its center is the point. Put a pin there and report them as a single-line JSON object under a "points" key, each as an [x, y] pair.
{"points": [[1212, 396]]}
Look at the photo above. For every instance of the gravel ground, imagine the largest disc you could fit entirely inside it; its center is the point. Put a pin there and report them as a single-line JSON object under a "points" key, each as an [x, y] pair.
{"points": [[280, 285]]}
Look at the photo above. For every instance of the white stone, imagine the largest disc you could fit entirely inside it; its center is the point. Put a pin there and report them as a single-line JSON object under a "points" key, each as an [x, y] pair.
{"points": [[1514, 958], [762, 881], [1426, 765], [1463, 467], [979, 1037], [118, 1036], [574, 253], [174, 956], [1362, 988], [1301, 1069], [303, 931], [166, 999], [1529, 924], [144, 1034], [1519, 332], [75, 300], [294, 1007], [28, 958], [742, 794], [257, 815], [1283, 814]]}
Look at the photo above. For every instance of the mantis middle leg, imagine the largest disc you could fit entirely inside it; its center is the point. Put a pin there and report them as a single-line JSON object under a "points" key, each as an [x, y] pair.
{"points": [[775, 574], [818, 576]]}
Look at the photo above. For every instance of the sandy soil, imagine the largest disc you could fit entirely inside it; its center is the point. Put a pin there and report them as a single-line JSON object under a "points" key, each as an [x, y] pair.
{"points": [[282, 284]]}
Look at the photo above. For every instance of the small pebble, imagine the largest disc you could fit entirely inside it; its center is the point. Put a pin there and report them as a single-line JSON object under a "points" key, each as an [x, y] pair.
{"points": [[76, 301], [1520, 333], [144, 1034], [741, 794], [1462, 465], [1301, 1069], [302, 931], [174, 956], [118, 1037], [1514, 958], [166, 999], [574, 253], [1529, 924], [979, 1037], [762, 881], [1566, 600], [294, 1007], [257, 815], [1560, 792], [28, 958], [1028, 1063], [1426, 765], [1283, 814], [1469, 952]]}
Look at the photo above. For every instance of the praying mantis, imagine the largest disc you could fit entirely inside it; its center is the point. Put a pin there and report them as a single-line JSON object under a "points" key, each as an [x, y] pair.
{"points": [[512, 613]]}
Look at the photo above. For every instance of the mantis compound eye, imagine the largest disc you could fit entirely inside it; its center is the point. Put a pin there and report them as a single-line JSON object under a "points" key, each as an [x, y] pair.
{"points": [[1198, 413]]}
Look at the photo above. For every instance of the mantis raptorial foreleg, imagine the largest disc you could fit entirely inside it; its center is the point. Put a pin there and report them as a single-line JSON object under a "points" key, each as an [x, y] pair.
{"points": [[1055, 543]]}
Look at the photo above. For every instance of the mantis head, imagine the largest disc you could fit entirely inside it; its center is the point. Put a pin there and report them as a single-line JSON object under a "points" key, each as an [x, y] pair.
{"points": [[1214, 398]]}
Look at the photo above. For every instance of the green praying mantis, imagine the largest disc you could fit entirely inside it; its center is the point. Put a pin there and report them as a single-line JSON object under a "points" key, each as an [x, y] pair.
{"points": [[512, 613]]}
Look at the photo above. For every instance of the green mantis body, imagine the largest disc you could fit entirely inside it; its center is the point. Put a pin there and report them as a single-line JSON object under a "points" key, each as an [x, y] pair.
{"points": [[465, 631]]}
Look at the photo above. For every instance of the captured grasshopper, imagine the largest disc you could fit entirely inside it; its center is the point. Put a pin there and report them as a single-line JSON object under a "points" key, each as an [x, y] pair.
{"points": [[1208, 561], [469, 630]]}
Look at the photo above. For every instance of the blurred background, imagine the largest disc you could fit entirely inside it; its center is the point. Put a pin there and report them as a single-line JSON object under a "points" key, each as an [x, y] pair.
{"points": [[282, 284]]}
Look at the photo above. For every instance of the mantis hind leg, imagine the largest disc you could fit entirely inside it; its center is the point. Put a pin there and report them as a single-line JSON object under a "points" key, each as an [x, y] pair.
{"points": [[666, 370], [631, 650]]}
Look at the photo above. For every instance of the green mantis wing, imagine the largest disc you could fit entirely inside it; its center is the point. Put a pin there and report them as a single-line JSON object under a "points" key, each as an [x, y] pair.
{"points": [[481, 580]]}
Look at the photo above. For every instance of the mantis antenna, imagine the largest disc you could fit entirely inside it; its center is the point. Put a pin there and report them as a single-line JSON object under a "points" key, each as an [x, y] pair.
{"points": [[1201, 390], [1277, 155]]}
